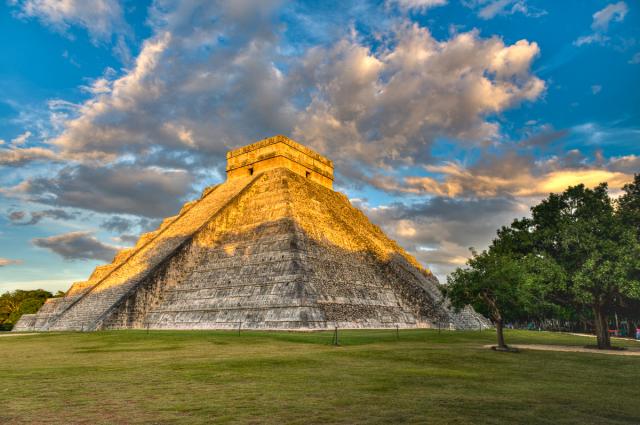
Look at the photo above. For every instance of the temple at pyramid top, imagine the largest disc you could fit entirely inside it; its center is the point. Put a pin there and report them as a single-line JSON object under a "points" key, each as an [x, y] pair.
{"points": [[279, 152]]}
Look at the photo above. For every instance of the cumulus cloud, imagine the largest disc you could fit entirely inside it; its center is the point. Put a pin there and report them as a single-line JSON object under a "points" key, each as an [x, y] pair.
{"points": [[149, 191], [101, 18], [208, 75], [209, 70], [439, 231], [17, 217], [213, 84], [9, 262], [77, 246], [392, 103]]}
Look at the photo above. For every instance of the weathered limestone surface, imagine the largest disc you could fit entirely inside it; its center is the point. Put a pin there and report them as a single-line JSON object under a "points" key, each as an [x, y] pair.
{"points": [[280, 152], [274, 249]]}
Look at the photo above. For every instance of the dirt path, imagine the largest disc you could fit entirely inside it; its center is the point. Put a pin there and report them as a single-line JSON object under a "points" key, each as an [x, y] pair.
{"points": [[12, 334], [574, 349]]}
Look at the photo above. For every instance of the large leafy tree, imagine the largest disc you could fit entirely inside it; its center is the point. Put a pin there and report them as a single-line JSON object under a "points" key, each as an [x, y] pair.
{"points": [[579, 252], [586, 236], [629, 212]]}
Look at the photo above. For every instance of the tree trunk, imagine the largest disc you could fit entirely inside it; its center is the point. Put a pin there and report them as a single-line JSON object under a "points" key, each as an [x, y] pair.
{"points": [[500, 334], [602, 328]]}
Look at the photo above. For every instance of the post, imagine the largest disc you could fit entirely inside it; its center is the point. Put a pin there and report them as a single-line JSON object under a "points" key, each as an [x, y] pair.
{"points": [[239, 327], [397, 332], [335, 336], [479, 323]]}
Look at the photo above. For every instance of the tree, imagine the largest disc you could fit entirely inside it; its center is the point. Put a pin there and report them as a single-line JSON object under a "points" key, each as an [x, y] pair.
{"points": [[629, 205], [584, 234], [501, 284], [629, 212], [14, 304]]}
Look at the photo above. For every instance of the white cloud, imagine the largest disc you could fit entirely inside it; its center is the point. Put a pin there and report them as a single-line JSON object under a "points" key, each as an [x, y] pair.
{"points": [[635, 59], [419, 4], [494, 8], [390, 104], [212, 76], [489, 9], [596, 88], [614, 12], [197, 76], [101, 18], [591, 39], [21, 139]]}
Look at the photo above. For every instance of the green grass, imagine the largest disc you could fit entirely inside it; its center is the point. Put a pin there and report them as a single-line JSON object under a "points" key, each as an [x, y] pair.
{"points": [[204, 377]]}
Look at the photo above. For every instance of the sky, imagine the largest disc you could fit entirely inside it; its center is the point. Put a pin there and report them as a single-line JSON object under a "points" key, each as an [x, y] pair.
{"points": [[445, 119]]}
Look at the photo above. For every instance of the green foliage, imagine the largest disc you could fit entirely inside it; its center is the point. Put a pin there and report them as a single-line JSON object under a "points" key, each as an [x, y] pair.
{"points": [[629, 212], [503, 285], [629, 205], [491, 284], [14, 304], [579, 254], [592, 241]]}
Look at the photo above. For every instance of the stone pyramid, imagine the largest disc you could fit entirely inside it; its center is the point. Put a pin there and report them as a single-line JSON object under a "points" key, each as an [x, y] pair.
{"points": [[273, 247]]}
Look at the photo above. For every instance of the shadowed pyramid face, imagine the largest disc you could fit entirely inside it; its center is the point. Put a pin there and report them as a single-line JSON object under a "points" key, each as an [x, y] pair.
{"points": [[274, 247]]}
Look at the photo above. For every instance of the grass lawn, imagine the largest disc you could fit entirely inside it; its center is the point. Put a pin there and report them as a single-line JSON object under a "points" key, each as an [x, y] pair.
{"points": [[258, 377]]}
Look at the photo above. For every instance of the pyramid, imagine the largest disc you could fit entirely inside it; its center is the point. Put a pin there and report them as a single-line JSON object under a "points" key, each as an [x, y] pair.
{"points": [[273, 247]]}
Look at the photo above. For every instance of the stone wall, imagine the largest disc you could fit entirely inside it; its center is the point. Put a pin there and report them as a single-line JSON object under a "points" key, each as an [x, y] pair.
{"points": [[280, 152]]}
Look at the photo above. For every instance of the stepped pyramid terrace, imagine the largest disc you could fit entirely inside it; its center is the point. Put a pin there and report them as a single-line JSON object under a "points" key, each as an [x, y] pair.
{"points": [[273, 247]]}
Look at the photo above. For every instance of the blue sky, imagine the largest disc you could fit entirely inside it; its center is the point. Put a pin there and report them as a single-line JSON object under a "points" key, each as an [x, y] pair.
{"points": [[445, 119]]}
